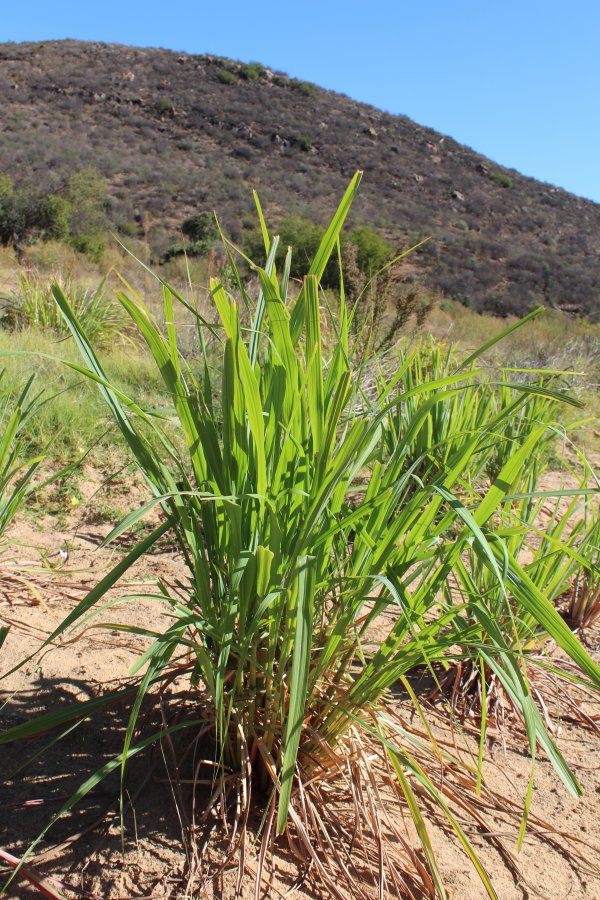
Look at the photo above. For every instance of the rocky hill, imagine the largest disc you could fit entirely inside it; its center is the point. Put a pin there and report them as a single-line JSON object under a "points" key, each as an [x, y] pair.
{"points": [[174, 134]]}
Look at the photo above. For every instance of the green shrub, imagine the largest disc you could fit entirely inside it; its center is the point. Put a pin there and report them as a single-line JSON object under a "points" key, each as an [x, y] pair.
{"points": [[251, 71], [21, 212], [373, 251], [201, 228], [91, 244], [165, 106], [305, 87], [58, 216], [78, 215], [203, 234], [87, 197], [502, 180], [226, 76]]}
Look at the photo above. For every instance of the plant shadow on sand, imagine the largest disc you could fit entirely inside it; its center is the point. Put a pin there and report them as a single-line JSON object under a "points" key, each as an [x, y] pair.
{"points": [[48, 781], [86, 850]]}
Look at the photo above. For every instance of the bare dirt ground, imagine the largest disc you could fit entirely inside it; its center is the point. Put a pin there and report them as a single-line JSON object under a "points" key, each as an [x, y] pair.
{"points": [[85, 850]]}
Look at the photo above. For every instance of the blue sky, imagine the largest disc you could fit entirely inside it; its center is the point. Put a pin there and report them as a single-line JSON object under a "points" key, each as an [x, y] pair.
{"points": [[517, 81]]}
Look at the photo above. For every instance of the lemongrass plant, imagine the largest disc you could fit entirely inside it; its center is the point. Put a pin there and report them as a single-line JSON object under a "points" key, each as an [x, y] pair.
{"points": [[33, 305], [16, 469], [301, 609], [583, 605], [449, 422], [541, 539]]}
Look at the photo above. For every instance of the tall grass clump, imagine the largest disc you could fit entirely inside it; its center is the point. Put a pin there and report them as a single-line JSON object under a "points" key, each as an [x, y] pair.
{"points": [[540, 530], [544, 541], [17, 469], [506, 413], [583, 606], [303, 605], [33, 305]]}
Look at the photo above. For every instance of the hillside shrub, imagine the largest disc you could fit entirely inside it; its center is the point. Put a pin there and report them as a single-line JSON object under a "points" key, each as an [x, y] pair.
{"points": [[58, 214], [202, 233], [22, 212], [305, 87], [86, 194], [226, 76], [165, 106], [251, 71], [502, 180], [372, 250], [201, 228]]}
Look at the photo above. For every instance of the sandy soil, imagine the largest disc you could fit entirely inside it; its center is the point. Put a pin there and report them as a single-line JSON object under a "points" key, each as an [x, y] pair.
{"points": [[152, 862]]}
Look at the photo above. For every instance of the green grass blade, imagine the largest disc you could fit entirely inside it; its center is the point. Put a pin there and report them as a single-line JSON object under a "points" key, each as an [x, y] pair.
{"points": [[298, 684]]}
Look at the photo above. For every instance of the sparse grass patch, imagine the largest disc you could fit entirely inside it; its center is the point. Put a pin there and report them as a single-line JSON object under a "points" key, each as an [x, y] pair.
{"points": [[72, 419], [57, 256]]}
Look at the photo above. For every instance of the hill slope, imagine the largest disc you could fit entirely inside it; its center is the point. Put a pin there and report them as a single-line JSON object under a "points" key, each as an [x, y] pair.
{"points": [[176, 133]]}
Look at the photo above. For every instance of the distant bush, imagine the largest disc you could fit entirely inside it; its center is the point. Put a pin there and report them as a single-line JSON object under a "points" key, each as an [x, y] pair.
{"points": [[305, 87], [502, 180], [202, 233], [88, 219], [21, 211], [225, 76], [201, 228], [372, 251], [58, 214], [164, 106], [77, 216], [252, 71]]}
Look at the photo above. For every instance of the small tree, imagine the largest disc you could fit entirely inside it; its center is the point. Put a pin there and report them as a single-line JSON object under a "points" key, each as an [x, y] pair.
{"points": [[372, 250], [6, 209], [201, 229], [86, 195], [21, 212], [57, 215]]}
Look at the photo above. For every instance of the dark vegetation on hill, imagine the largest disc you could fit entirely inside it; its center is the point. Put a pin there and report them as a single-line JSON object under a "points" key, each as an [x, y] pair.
{"points": [[175, 135]]}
